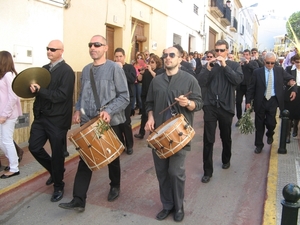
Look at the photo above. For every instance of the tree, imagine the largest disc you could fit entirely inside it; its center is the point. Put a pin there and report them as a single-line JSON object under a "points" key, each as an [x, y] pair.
{"points": [[294, 20]]}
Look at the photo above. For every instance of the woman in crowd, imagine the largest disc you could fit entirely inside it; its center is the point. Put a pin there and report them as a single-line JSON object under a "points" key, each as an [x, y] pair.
{"points": [[140, 65], [145, 78], [10, 110], [293, 106]]}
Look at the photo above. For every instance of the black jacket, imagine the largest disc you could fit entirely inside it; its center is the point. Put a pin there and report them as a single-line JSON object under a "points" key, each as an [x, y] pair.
{"points": [[56, 101]]}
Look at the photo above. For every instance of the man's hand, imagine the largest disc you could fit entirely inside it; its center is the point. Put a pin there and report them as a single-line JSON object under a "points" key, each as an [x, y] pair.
{"points": [[105, 116], [293, 96]]}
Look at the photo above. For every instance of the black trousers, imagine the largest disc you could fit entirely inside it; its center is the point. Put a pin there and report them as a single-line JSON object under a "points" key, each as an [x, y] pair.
{"points": [[239, 94], [212, 115], [265, 117], [144, 118], [126, 129], [41, 131], [84, 174]]}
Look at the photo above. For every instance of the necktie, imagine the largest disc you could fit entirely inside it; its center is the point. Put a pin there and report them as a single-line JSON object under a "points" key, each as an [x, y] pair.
{"points": [[269, 86]]}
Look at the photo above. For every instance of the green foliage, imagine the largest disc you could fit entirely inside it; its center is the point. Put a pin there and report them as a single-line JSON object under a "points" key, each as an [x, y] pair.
{"points": [[101, 128], [294, 20], [246, 122]]}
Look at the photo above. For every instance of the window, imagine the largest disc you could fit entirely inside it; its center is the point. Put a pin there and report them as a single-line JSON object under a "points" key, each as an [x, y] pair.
{"points": [[196, 9]]}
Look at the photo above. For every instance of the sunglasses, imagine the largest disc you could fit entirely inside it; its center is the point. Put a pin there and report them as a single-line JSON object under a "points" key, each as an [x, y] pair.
{"points": [[208, 57], [272, 63], [52, 49], [220, 50], [152, 62], [172, 55], [96, 44]]}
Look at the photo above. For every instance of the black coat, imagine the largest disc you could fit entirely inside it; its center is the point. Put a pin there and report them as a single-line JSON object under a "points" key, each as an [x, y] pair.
{"points": [[257, 88]]}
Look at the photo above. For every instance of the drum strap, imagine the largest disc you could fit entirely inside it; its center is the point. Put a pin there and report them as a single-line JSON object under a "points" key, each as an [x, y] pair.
{"points": [[96, 97]]}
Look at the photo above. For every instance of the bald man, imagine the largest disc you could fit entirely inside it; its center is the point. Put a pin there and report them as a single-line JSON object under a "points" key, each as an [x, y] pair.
{"points": [[52, 111]]}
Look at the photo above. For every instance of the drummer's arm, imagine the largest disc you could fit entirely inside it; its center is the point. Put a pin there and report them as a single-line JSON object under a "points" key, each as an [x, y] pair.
{"points": [[150, 123], [190, 105]]}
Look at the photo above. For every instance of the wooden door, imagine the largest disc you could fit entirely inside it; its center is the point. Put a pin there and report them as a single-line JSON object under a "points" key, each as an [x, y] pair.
{"points": [[138, 39], [110, 34], [212, 39]]}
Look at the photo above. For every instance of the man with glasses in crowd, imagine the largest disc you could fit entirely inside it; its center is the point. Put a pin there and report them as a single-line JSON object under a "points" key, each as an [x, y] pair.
{"points": [[266, 89], [52, 111], [220, 77], [111, 87], [255, 56], [164, 89], [248, 66]]}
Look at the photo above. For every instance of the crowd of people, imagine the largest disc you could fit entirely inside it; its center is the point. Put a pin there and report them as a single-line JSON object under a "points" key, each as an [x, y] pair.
{"points": [[217, 82]]}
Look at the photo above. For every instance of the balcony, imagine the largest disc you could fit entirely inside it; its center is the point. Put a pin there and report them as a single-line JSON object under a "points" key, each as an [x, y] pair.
{"points": [[234, 24], [226, 19], [216, 8]]}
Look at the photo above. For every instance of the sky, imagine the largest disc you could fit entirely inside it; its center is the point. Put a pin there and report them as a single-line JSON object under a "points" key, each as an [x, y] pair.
{"points": [[272, 18], [279, 8]]}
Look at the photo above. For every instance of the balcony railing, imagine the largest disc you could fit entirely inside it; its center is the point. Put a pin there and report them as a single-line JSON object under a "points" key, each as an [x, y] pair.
{"points": [[226, 19], [234, 24], [216, 8]]}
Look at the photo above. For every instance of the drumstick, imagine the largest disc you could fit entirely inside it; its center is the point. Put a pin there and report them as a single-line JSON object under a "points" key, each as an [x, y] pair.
{"points": [[174, 102]]}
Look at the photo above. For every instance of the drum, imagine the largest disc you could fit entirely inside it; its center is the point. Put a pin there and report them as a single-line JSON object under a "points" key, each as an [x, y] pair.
{"points": [[171, 136], [97, 143]]}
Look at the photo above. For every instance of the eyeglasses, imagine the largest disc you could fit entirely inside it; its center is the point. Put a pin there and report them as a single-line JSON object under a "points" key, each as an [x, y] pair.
{"points": [[208, 57], [172, 55], [220, 50], [96, 44], [52, 49], [272, 63], [152, 62]]}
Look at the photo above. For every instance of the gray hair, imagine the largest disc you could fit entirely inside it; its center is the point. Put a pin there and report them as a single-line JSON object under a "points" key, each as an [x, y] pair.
{"points": [[270, 55]]}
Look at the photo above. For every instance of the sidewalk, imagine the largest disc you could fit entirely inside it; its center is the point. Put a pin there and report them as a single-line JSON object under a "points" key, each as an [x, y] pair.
{"points": [[283, 168]]}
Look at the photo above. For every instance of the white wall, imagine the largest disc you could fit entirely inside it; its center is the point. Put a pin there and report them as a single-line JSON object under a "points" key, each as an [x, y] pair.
{"points": [[29, 24]]}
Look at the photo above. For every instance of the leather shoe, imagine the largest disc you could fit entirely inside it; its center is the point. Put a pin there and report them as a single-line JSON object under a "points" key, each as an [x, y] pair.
{"points": [[113, 194], [7, 168], [270, 140], [205, 179], [49, 181], [57, 195], [178, 215], [163, 214], [3, 176], [295, 134], [139, 136], [226, 165], [72, 205], [129, 151], [66, 153], [258, 150], [288, 140]]}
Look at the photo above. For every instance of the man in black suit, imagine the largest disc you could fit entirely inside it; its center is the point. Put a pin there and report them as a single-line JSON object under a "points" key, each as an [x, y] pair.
{"points": [[266, 89], [248, 66]]}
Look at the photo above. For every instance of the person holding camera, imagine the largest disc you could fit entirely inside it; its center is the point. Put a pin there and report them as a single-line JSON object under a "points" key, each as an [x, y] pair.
{"points": [[220, 77]]}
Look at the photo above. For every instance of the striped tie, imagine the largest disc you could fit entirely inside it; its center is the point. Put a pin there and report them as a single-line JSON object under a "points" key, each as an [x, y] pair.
{"points": [[269, 86]]}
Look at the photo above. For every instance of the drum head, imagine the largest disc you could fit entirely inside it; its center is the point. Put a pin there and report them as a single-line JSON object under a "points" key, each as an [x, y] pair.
{"points": [[36, 75]]}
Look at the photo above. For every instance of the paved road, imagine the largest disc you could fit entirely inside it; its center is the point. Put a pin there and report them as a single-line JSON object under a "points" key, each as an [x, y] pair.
{"points": [[233, 197]]}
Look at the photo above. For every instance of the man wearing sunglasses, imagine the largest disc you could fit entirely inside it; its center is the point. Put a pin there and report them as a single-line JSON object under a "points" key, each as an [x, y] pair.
{"points": [[219, 77], [111, 88], [266, 89], [52, 111], [164, 89]]}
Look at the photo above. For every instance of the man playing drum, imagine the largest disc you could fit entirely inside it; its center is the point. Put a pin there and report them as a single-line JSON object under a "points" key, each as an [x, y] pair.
{"points": [[111, 84], [164, 89]]}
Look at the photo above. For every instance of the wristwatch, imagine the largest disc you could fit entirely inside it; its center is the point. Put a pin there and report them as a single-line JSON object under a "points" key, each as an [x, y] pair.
{"points": [[188, 103]]}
